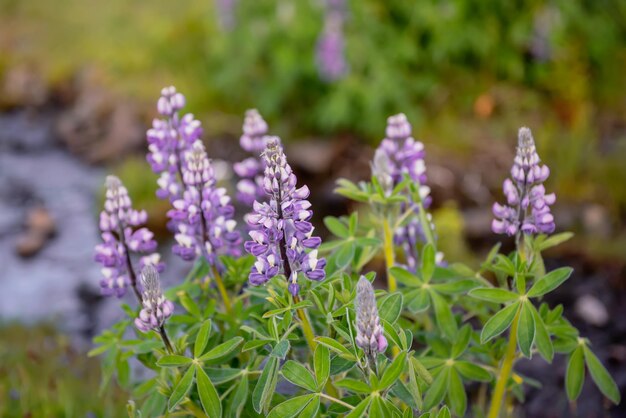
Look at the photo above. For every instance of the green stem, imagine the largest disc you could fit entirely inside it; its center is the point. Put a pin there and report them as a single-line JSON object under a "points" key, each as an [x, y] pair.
{"points": [[222, 290], [389, 256], [307, 329], [505, 371]]}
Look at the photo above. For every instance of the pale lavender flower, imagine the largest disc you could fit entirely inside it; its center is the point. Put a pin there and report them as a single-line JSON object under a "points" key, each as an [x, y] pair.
{"points": [[155, 308], [282, 236], [203, 215], [168, 139], [122, 235], [401, 155], [369, 332], [250, 170], [330, 55], [527, 207]]}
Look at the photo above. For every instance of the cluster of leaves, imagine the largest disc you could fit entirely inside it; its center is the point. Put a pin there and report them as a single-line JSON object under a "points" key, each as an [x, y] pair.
{"points": [[445, 325]]}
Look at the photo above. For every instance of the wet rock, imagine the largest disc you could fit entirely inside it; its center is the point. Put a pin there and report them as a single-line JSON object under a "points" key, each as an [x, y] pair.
{"points": [[25, 131], [590, 309], [40, 227]]}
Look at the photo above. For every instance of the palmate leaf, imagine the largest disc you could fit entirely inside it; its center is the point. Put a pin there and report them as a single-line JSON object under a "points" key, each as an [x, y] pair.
{"points": [[498, 323], [601, 376], [264, 389], [526, 329], [443, 315], [321, 365], [202, 338], [299, 375], [542, 337], [456, 393], [575, 374], [550, 281], [209, 398], [393, 371], [438, 389], [390, 307], [290, 408], [181, 389], [493, 294]]}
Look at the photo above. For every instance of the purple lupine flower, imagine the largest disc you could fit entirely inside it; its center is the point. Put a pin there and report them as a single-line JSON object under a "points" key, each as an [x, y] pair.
{"points": [[203, 215], [330, 55], [399, 154], [282, 236], [168, 139], [122, 234], [369, 332], [250, 170], [527, 207], [226, 13], [155, 308]]}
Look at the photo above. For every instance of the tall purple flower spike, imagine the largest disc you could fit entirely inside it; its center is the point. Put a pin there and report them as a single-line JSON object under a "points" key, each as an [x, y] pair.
{"points": [[282, 236], [399, 154], [155, 308], [527, 207], [168, 139], [250, 170], [330, 48], [203, 215], [369, 332], [122, 235]]}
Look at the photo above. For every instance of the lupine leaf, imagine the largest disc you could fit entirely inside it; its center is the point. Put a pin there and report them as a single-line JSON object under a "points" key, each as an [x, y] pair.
{"points": [[405, 277], [472, 371], [462, 341], [337, 227], [209, 398], [542, 338], [218, 376], [526, 329], [455, 287], [359, 410], [456, 393], [498, 323], [321, 364], [336, 347], [291, 407], [443, 315], [281, 349], [444, 412], [376, 408], [555, 240], [418, 300], [311, 409], [345, 255], [601, 376], [239, 398], [493, 294], [575, 374], [264, 389], [202, 338], [390, 307], [550, 281], [393, 371], [181, 389], [189, 304], [222, 350], [173, 360], [353, 385], [437, 391], [299, 375], [428, 262]]}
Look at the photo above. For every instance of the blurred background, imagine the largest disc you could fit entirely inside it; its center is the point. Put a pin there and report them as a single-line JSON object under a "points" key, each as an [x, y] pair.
{"points": [[78, 84]]}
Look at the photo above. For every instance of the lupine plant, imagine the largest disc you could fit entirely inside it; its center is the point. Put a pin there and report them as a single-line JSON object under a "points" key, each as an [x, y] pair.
{"points": [[296, 327]]}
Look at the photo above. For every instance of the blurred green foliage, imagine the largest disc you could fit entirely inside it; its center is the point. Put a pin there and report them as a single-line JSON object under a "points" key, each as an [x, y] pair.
{"points": [[41, 375], [464, 71]]}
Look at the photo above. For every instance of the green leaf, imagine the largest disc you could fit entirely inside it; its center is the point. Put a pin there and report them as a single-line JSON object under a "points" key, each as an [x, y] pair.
{"points": [[252, 344], [299, 375], [336, 347], [472, 371], [281, 349], [390, 307], [392, 372], [359, 410], [550, 281], [405, 277], [181, 389], [575, 374], [555, 240], [498, 323], [418, 300], [494, 294], [290, 408], [239, 398], [173, 360], [264, 389], [455, 287], [421, 371], [337, 227], [526, 329], [218, 376], [444, 412], [456, 394], [345, 255], [353, 385], [321, 364], [462, 341], [443, 314], [209, 398], [202, 338], [189, 304], [437, 390], [376, 408], [601, 377], [413, 386], [223, 349], [428, 262], [542, 338], [311, 409]]}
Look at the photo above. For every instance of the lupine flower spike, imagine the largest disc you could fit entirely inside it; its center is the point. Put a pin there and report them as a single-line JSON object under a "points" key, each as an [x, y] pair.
{"points": [[399, 154], [330, 54], [250, 170], [282, 236], [168, 140], [369, 332], [203, 215], [155, 308], [527, 207], [122, 235]]}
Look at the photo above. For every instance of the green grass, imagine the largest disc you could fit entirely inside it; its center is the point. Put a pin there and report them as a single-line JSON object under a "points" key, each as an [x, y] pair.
{"points": [[42, 375]]}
